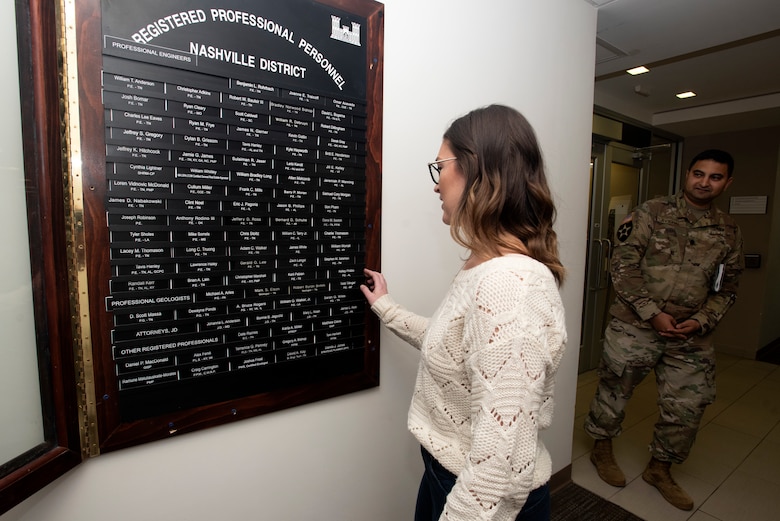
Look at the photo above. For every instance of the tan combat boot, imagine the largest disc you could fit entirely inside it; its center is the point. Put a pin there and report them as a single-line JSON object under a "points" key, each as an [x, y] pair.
{"points": [[657, 474], [605, 463]]}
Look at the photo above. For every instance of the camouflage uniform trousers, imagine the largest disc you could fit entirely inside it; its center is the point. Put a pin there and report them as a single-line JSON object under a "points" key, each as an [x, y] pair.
{"points": [[685, 377]]}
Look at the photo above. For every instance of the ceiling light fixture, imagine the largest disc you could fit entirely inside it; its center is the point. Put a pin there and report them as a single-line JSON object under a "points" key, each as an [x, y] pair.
{"points": [[688, 94], [638, 70]]}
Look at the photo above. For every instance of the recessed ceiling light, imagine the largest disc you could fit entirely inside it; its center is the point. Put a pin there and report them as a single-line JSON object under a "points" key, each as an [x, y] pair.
{"points": [[638, 70], [684, 95]]}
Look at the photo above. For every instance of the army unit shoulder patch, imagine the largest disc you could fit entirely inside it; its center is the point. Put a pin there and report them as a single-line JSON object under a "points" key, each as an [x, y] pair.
{"points": [[625, 229]]}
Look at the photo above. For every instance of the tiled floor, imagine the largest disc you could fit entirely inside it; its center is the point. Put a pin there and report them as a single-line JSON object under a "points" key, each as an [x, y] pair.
{"points": [[733, 472]]}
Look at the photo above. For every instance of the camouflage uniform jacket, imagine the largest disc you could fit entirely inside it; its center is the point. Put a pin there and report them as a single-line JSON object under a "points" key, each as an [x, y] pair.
{"points": [[666, 259]]}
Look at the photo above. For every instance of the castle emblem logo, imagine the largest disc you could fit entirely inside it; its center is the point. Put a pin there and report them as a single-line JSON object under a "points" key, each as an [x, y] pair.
{"points": [[344, 33]]}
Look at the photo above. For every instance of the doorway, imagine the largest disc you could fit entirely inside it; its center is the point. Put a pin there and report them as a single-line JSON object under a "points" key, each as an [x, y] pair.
{"points": [[621, 177]]}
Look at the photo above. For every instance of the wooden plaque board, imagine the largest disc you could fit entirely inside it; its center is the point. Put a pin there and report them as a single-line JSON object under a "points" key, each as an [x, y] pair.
{"points": [[231, 174]]}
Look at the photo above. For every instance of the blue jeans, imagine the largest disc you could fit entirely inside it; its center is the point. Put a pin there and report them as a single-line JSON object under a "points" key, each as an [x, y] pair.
{"points": [[437, 482]]}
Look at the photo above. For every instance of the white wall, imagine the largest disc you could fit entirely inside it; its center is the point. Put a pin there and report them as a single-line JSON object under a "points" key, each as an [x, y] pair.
{"points": [[20, 395], [350, 458]]}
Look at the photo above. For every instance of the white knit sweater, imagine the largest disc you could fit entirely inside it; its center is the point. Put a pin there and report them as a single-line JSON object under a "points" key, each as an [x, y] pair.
{"points": [[485, 382]]}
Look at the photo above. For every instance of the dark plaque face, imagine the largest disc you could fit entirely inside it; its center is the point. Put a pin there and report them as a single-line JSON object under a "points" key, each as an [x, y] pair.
{"points": [[236, 170]]}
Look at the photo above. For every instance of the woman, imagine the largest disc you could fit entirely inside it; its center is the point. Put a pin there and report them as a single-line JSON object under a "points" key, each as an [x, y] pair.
{"points": [[490, 352]]}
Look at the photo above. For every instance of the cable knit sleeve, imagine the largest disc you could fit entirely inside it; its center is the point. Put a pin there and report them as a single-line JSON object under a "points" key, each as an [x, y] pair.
{"points": [[514, 337], [405, 324]]}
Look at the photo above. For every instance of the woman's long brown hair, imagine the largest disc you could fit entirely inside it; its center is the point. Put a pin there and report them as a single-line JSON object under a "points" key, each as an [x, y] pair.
{"points": [[507, 205]]}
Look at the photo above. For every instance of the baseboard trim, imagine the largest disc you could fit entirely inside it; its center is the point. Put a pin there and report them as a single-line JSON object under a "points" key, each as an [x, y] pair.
{"points": [[770, 352], [560, 479]]}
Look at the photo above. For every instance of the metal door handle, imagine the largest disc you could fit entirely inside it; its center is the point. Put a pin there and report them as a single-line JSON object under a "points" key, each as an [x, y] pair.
{"points": [[596, 275], [605, 280]]}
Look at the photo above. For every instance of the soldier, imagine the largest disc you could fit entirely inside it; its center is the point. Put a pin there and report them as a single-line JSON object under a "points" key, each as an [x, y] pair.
{"points": [[675, 270]]}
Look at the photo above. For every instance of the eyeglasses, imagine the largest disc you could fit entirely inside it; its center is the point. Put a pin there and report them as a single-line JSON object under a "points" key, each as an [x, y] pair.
{"points": [[435, 168]]}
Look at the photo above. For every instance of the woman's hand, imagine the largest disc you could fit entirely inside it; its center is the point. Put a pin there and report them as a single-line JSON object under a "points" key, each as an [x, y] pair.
{"points": [[375, 286]]}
